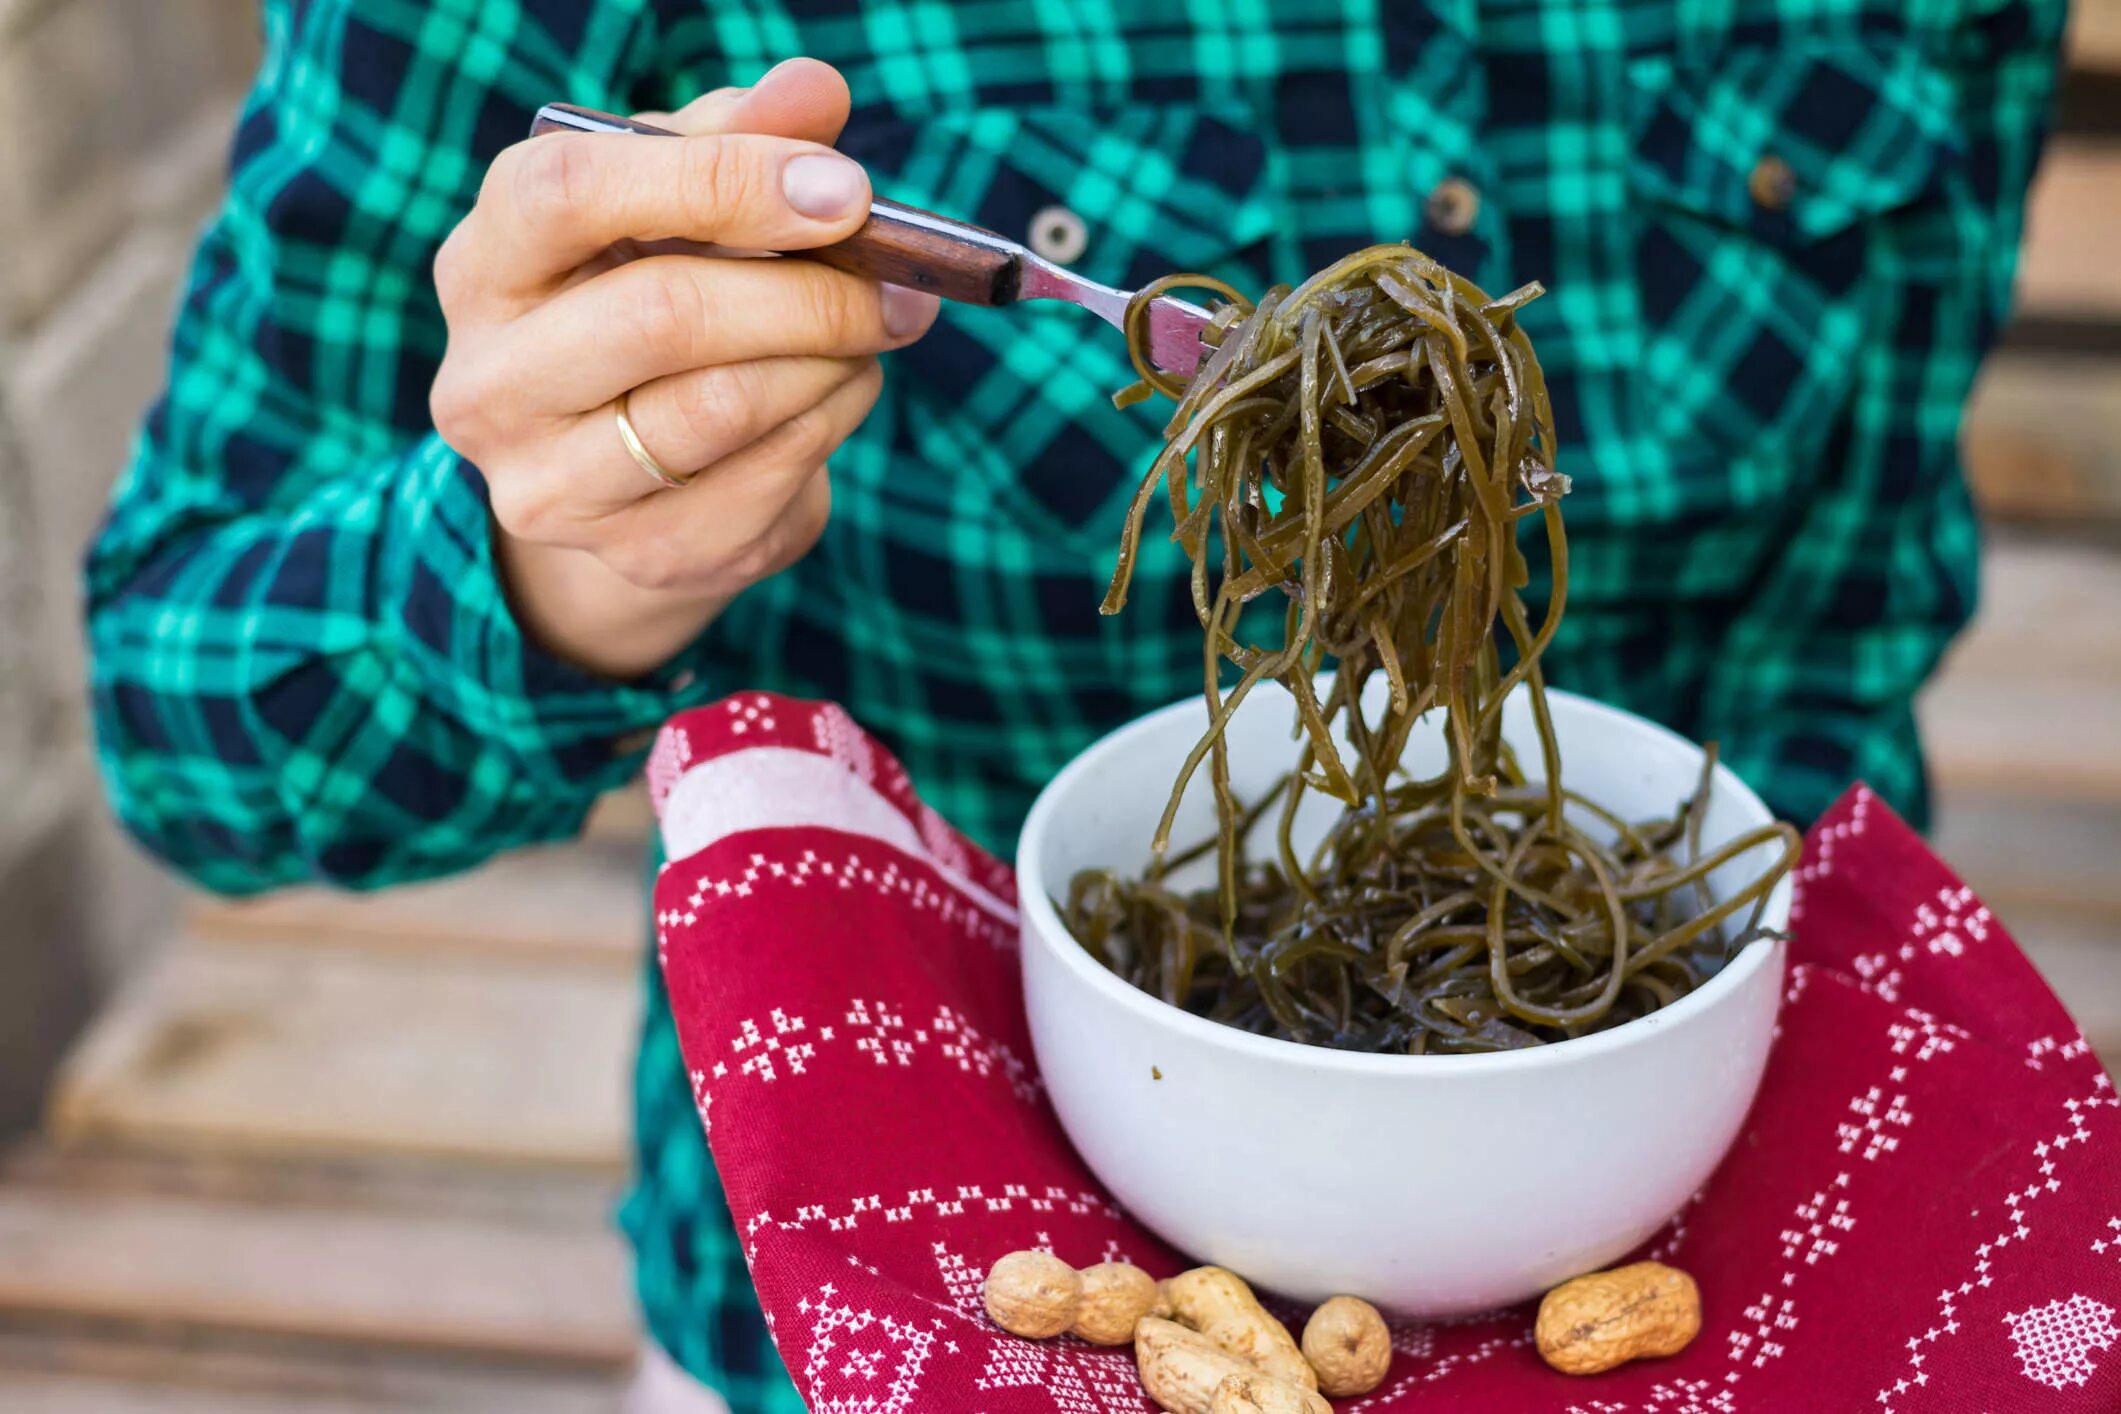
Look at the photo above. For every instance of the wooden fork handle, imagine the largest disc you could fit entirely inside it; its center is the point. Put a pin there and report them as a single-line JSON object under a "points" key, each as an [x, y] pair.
{"points": [[900, 245]]}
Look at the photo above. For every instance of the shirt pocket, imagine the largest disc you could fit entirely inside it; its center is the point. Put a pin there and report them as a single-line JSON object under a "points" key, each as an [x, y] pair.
{"points": [[1759, 177], [1006, 413]]}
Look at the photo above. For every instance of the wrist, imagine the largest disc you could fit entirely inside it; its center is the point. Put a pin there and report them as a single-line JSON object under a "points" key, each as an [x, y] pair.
{"points": [[575, 607]]}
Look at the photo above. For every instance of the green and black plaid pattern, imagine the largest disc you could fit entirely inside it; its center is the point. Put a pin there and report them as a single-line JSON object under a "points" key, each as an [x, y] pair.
{"points": [[304, 666]]}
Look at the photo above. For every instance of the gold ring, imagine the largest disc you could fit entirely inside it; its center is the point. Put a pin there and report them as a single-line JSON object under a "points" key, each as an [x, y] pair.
{"points": [[642, 457]]}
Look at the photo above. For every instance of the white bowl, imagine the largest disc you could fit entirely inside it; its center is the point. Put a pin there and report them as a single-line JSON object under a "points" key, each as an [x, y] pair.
{"points": [[1433, 1185]]}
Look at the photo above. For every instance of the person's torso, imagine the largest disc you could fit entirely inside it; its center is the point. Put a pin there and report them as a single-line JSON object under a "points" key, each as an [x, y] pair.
{"points": [[1691, 183]]}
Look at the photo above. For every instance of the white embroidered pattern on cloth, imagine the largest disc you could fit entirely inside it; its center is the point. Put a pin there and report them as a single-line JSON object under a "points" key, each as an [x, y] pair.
{"points": [[1824, 844], [1677, 1396], [2056, 1342], [1820, 1219], [2017, 1227], [667, 761], [847, 1213], [1078, 1378], [2071, 1048], [887, 874], [880, 1032], [842, 1371], [1936, 1039], [1418, 1340], [1793, 984], [799, 731], [859, 1362], [1665, 1246], [1942, 929], [702, 1101], [1819, 1215], [838, 737], [2018, 1224], [943, 843]]}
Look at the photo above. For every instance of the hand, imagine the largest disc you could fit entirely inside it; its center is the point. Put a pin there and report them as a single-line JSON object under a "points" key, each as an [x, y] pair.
{"points": [[744, 373]]}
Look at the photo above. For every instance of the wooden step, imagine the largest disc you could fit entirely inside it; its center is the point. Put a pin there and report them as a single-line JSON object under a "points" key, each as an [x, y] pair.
{"points": [[583, 901], [2028, 704], [545, 1293], [43, 1372], [2047, 868], [36, 1393], [2055, 739], [2024, 731], [32, 1392], [2043, 429], [2048, 610], [265, 1047], [2066, 268], [2057, 856], [2043, 438], [2095, 36], [398, 1281], [392, 1183]]}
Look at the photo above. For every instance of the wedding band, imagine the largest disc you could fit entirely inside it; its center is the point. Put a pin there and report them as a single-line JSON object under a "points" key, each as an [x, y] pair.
{"points": [[642, 457]]}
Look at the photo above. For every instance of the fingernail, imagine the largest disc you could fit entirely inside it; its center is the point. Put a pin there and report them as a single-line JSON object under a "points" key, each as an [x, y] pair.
{"points": [[906, 311], [823, 186]]}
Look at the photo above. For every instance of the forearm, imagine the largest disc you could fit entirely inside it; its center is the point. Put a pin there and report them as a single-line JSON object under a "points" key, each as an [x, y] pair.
{"points": [[339, 691]]}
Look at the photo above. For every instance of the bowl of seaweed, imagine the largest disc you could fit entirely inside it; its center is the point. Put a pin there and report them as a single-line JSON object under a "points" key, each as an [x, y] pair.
{"points": [[1424, 982]]}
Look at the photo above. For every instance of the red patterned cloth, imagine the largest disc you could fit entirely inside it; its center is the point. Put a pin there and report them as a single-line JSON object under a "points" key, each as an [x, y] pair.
{"points": [[1922, 1213]]}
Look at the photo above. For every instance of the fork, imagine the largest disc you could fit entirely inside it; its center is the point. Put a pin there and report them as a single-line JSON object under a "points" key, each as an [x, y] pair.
{"points": [[904, 245]]}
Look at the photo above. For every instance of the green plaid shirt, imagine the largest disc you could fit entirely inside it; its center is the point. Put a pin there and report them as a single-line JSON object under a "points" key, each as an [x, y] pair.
{"points": [[1779, 235]]}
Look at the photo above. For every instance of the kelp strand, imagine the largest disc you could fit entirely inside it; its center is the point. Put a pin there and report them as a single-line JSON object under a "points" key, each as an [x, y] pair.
{"points": [[1365, 445]]}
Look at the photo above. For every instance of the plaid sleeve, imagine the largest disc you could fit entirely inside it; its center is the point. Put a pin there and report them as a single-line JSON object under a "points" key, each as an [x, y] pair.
{"points": [[303, 664], [1815, 683]]}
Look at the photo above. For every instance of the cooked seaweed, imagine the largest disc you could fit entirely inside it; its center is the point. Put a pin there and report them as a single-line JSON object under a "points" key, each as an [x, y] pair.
{"points": [[1365, 446]]}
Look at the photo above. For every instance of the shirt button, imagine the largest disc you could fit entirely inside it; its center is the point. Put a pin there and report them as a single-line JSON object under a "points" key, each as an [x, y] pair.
{"points": [[682, 680], [1771, 184], [1058, 235], [1453, 206]]}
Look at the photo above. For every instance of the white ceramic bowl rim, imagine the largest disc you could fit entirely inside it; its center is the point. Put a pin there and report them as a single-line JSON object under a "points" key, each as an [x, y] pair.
{"points": [[1049, 931]]}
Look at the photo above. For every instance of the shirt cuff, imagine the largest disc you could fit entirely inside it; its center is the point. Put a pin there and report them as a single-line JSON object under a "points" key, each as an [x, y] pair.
{"points": [[448, 618]]}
